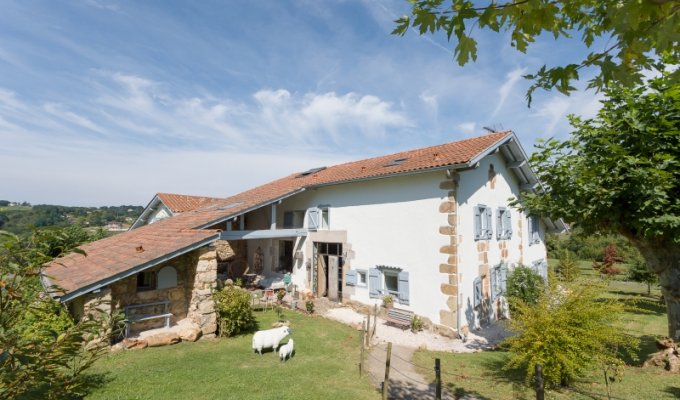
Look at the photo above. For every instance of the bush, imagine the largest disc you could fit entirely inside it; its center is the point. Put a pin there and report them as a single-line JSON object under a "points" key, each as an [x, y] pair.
{"points": [[639, 272], [568, 331], [524, 285], [567, 268], [233, 308], [309, 305]]}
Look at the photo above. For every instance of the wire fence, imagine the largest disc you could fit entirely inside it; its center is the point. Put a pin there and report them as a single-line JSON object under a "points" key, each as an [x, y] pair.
{"points": [[456, 379]]}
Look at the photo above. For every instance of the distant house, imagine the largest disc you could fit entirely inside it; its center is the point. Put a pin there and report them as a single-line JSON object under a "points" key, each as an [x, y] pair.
{"points": [[114, 227], [431, 227]]}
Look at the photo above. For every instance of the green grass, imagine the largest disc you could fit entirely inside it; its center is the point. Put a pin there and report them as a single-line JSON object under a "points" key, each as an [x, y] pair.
{"points": [[482, 375], [324, 366]]}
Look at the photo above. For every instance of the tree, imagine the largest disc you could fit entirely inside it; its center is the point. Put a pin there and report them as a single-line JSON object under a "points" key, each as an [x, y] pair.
{"points": [[567, 268], [639, 272], [568, 331], [620, 172], [43, 353], [636, 33], [610, 257]]}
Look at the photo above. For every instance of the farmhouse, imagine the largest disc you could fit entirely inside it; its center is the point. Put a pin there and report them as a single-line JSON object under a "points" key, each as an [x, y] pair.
{"points": [[431, 227]]}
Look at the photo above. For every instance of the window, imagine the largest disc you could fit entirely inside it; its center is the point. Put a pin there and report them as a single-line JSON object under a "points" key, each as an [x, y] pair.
{"points": [[503, 224], [293, 219], [167, 278], [541, 268], [477, 292], [325, 218], [145, 281], [482, 222], [362, 277], [389, 280], [356, 277], [499, 275], [534, 236]]}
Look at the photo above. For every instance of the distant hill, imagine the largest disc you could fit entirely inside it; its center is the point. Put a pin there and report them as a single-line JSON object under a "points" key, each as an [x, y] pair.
{"points": [[20, 218]]}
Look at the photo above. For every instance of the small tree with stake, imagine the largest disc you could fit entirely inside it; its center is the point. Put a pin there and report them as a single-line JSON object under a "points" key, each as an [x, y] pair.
{"points": [[639, 272]]}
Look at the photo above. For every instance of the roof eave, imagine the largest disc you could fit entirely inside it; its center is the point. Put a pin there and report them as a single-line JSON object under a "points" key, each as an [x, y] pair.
{"points": [[134, 270]]}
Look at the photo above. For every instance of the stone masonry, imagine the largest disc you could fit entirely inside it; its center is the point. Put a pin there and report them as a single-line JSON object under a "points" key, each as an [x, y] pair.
{"points": [[449, 316], [201, 305]]}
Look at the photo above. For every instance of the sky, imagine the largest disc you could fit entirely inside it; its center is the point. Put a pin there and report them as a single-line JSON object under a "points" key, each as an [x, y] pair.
{"points": [[107, 102]]}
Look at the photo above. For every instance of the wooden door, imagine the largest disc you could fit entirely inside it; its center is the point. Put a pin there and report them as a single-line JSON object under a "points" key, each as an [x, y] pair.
{"points": [[333, 278], [320, 276]]}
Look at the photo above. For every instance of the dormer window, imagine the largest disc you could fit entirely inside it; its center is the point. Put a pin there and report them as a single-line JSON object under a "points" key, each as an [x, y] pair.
{"points": [[394, 162]]}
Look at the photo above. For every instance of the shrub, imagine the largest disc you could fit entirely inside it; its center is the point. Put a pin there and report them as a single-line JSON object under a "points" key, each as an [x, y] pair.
{"points": [[309, 305], [568, 332], [610, 257], [639, 272], [567, 268], [235, 313], [524, 285], [416, 324]]}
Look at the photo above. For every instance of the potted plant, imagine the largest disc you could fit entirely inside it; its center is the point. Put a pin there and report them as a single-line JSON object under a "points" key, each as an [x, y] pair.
{"points": [[388, 301]]}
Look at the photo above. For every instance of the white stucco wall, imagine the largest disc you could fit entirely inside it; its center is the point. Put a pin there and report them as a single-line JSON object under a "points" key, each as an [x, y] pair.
{"points": [[393, 222], [475, 189]]}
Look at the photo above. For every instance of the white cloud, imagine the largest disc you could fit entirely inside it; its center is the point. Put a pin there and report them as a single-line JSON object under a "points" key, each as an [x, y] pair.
{"points": [[467, 128], [430, 100], [553, 111], [511, 80]]}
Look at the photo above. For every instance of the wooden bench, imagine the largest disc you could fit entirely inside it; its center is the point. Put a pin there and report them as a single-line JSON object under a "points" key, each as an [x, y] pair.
{"points": [[399, 317], [131, 319]]}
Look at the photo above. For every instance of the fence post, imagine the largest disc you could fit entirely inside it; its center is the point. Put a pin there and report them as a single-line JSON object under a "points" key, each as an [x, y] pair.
{"points": [[386, 385], [367, 338], [540, 391], [363, 338], [437, 379], [375, 319]]}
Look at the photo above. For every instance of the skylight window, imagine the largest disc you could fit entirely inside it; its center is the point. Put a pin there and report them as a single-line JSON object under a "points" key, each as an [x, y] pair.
{"points": [[312, 171], [397, 161]]}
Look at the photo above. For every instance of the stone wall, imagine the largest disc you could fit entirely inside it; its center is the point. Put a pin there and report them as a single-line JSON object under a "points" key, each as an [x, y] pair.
{"points": [[191, 298], [201, 305], [449, 316]]}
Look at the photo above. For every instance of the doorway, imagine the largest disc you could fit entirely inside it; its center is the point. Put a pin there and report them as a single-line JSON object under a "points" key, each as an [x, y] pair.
{"points": [[328, 270]]}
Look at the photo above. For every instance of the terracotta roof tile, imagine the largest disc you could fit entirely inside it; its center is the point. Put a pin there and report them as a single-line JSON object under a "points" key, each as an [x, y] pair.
{"points": [[113, 256], [178, 203]]}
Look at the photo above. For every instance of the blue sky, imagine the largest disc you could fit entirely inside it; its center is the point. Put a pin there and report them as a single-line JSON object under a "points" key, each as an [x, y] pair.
{"points": [[106, 102]]}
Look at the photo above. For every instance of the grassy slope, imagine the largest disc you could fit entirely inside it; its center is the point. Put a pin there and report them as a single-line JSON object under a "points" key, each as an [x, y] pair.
{"points": [[481, 373], [324, 366]]}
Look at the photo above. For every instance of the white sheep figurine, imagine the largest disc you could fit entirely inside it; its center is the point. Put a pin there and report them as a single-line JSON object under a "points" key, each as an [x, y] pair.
{"points": [[286, 351], [269, 338]]}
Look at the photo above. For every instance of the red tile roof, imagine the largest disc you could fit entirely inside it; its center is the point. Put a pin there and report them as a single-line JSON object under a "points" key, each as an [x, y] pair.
{"points": [[111, 257], [178, 203]]}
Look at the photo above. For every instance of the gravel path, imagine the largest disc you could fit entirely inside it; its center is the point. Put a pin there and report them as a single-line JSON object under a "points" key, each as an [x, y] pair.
{"points": [[406, 380]]}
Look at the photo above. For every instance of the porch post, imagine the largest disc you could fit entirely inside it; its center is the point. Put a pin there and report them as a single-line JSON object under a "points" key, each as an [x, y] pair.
{"points": [[273, 224]]}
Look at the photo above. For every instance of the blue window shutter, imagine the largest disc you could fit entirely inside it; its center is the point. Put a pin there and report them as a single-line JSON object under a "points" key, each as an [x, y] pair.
{"points": [[374, 283], [351, 278], [402, 286], [499, 223], [478, 225], [478, 292], [489, 222], [504, 277], [507, 223], [313, 218]]}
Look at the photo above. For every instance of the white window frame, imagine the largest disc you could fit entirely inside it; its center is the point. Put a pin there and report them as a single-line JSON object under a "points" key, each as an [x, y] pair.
{"points": [[534, 230], [482, 222], [362, 278], [504, 223]]}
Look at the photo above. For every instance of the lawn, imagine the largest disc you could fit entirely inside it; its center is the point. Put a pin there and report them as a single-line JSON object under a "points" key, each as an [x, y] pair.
{"points": [[481, 374], [324, 366]]}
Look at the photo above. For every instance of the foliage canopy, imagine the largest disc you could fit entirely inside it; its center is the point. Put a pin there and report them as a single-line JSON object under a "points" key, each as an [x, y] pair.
{"points": [[636, 34], [43, 353], [620, 172]]}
